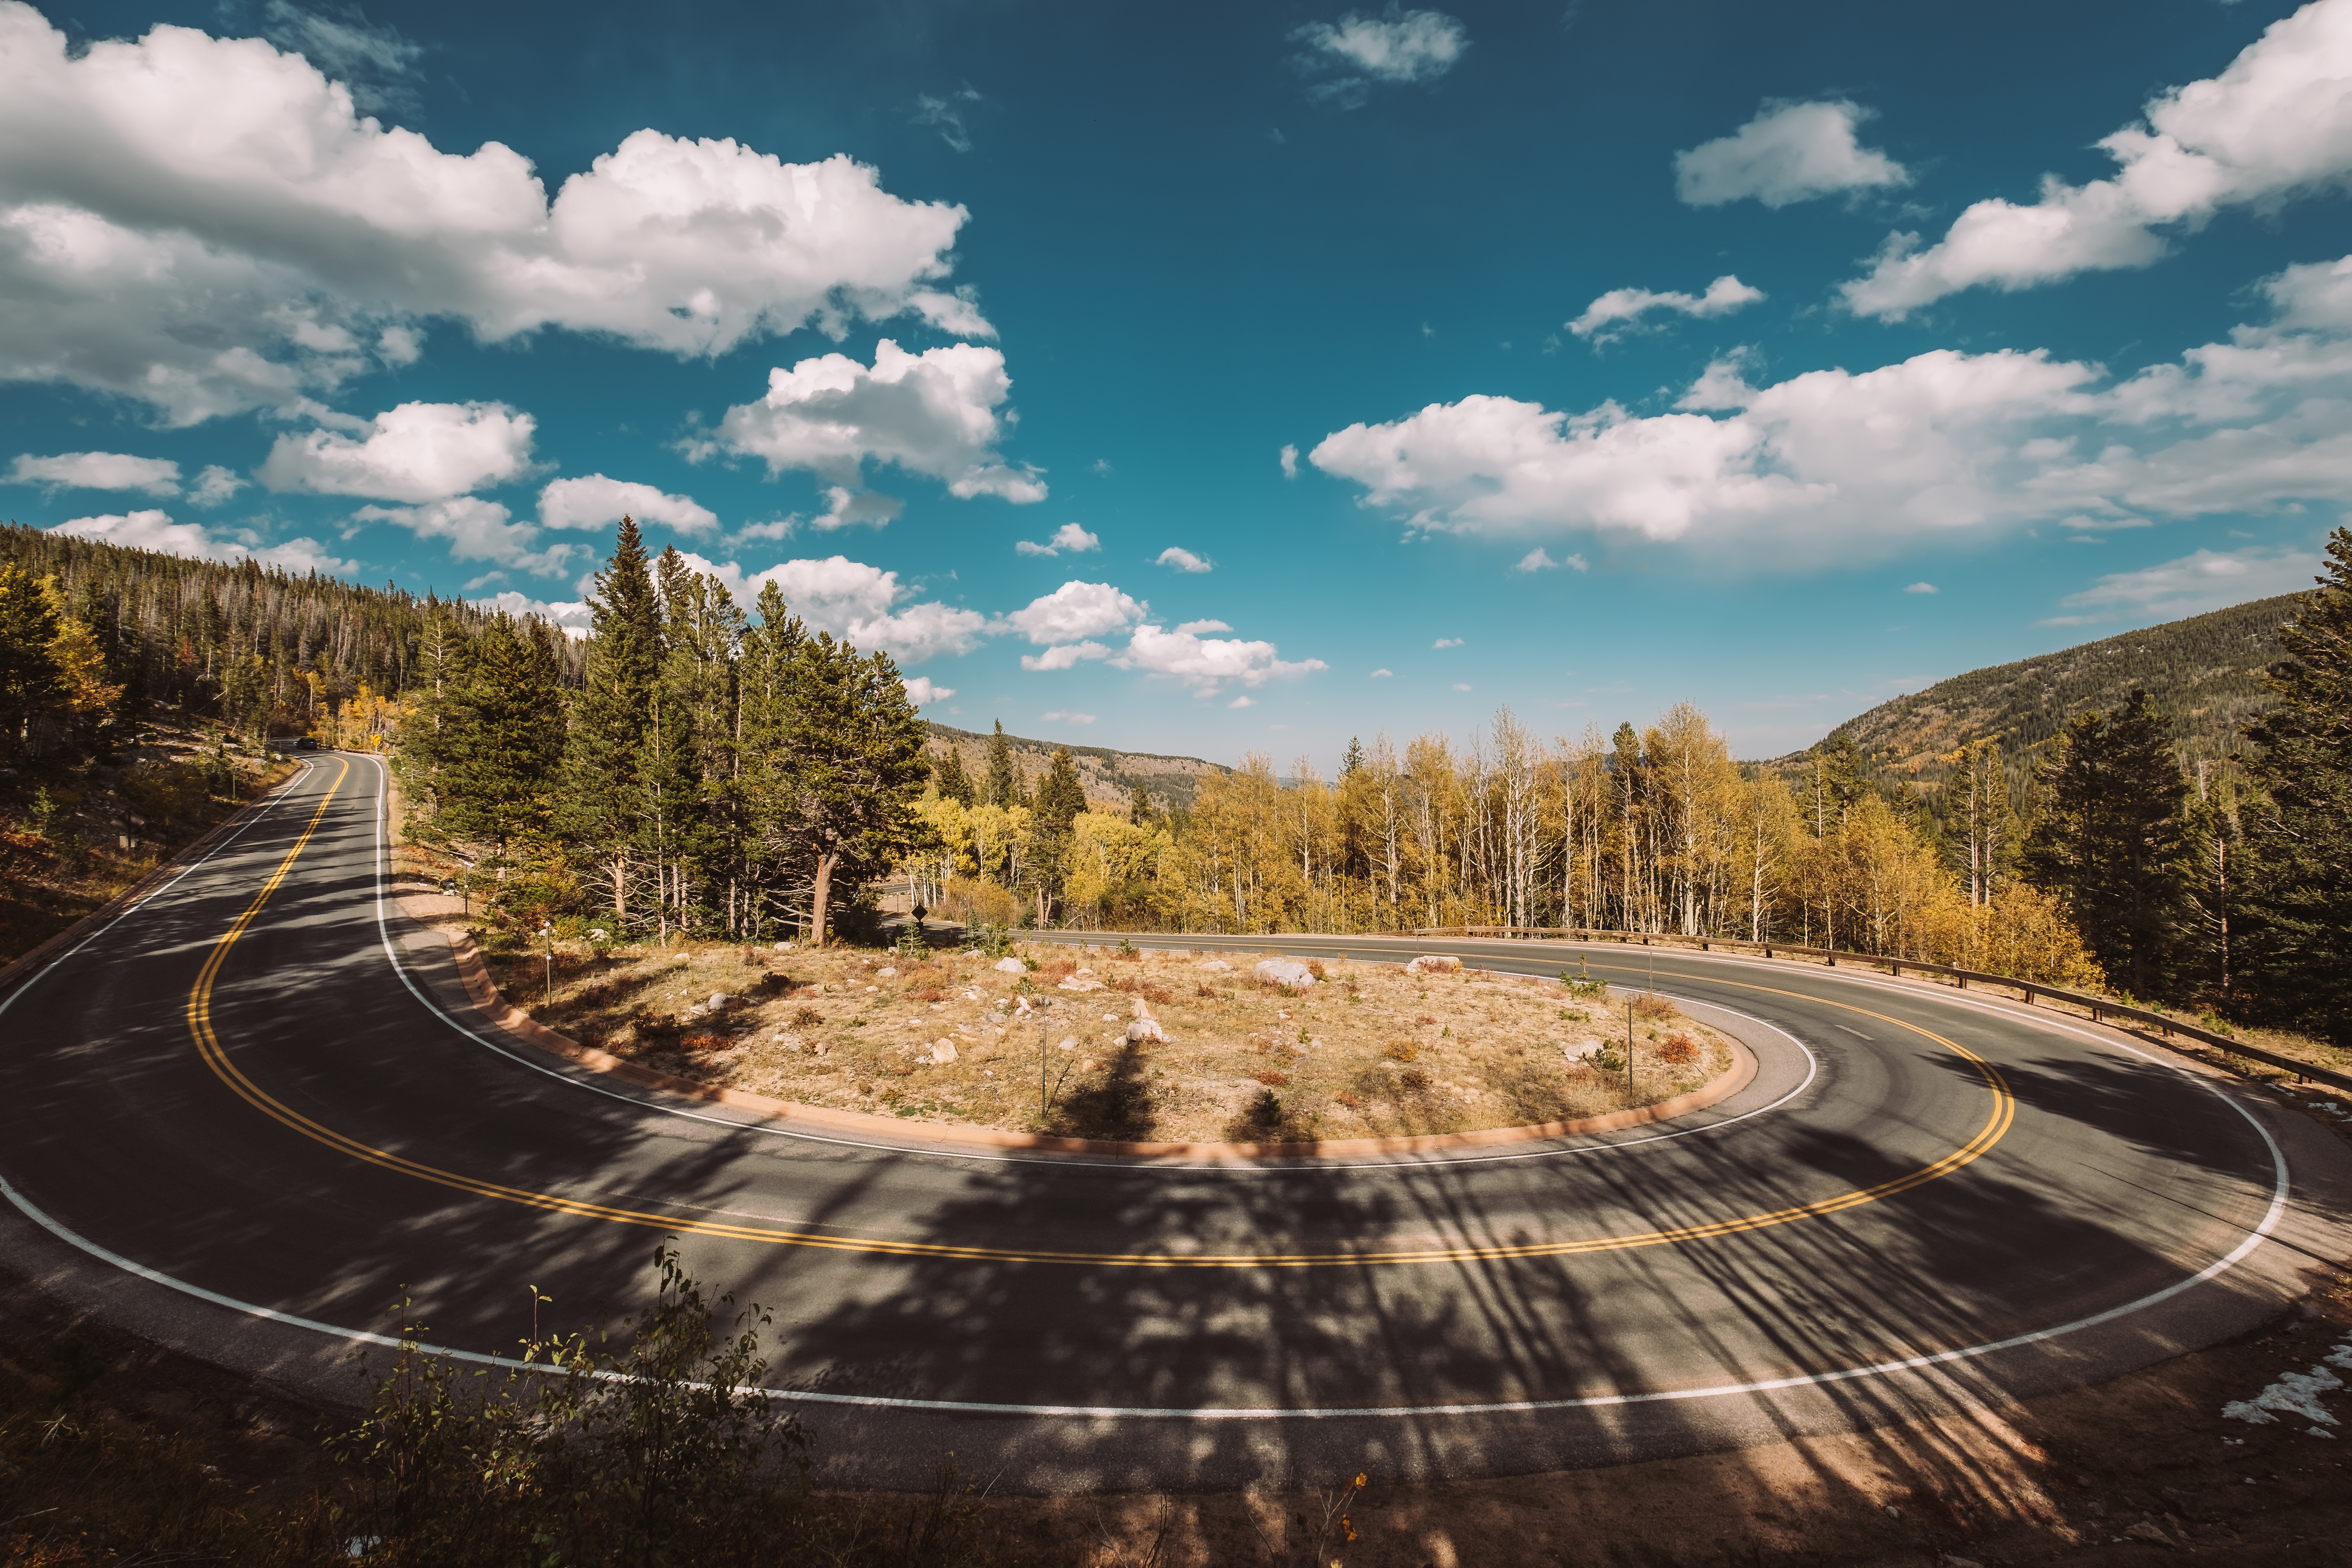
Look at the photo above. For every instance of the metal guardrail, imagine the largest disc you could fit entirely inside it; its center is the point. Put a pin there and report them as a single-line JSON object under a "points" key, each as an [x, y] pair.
{"points": [[2101, 1008]]}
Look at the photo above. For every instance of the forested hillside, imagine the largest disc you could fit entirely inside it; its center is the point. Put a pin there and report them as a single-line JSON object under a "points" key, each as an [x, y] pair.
{"points": [[2204, 675], [248, 645], [1109, 777]]}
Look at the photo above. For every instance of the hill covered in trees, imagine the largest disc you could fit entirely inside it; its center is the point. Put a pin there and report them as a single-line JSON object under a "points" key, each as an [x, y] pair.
{"points": [[2203, 675], [1109, 777]]}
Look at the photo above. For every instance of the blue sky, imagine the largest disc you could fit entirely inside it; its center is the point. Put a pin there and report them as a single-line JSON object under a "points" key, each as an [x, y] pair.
{"points": [[1212, 379]]}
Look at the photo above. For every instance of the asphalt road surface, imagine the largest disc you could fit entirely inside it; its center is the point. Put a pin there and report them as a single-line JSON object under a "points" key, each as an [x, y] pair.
{"points": [[253, 1112]]}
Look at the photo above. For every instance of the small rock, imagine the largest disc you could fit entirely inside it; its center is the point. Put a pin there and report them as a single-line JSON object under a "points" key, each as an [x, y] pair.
{"points": [[1011, 966], [717, 1003], [1068, 1043], [1433, 963], [943, 1051], [1948, 1561], [1284, 972], [1218, 967], [2148, 1530], [783, 947], [885, 973], [1073, 983], [1146, 1031]]}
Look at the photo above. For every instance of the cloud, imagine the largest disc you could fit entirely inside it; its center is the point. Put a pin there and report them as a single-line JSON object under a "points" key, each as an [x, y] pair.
{"points": [[1183, 560], [1355, 51], [2276, 124], [2208, 579], [477, 529], [1384, 675], [862, 603], [1243, 702], [1788, 153], [946, 114], [1446, 642], [215, 486], [1206, 665], [1289, 461], [154, 530], [1923, 588], [97, 471], [1067, 656], [1828, 462], [1461, 685], [416, 452], [372, 58], [595, 501], [932, 413], [1057, 717], [1539, 560], [845, 508], [571, 616], [209, 225], [1072, 612], [1620, 310], [922, 691], [1069, 537]]}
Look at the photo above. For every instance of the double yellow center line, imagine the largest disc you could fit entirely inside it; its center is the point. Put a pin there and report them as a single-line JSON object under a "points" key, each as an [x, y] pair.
{"points": [[216, 1058]]}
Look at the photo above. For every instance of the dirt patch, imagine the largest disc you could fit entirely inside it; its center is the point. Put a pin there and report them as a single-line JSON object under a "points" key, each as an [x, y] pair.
{"points": [[1094, 1043]]}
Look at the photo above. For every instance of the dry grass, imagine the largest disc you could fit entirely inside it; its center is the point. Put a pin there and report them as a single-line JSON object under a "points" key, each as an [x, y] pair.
{"points": [[1370, 1050]]}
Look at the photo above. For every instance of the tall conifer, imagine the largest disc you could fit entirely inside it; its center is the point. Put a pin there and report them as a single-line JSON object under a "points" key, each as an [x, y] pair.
{"points": [[2298, 946], [604, 770], [500, 747], [2110, 841], [1002, 785]]}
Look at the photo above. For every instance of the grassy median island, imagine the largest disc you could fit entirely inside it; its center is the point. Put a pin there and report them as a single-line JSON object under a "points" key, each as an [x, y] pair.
{"points": [[1096, 1043]]}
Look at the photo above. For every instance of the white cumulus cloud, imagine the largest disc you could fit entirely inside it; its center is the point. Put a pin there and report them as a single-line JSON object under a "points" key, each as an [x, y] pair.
{"points": [[1788, 153], [1349, 55], [1058, 717], [1289, 456], [595, 501], [1923, 588], [572, 617], [214, 485], [863, 605], [922, 691], [2276, 124], [416, 452], [99, 471], [1620, 310], [477, 529], [1074, 611], [210, 225], [1539, 560], [154, 530], [1069, 536], [1183, 560], [1207, 665], [934, 413]]}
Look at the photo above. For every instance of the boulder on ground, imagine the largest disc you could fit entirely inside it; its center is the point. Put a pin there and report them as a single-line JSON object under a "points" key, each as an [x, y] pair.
{"points": [[1073, 983], [1146, 1031], [1284, 972], [943, 1051], [1433, 963], [1011, 966], [1218, 967]]}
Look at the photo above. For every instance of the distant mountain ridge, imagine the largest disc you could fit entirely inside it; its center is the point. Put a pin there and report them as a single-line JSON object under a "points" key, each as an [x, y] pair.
{"points": [[2204, 673], [1110, 776]]}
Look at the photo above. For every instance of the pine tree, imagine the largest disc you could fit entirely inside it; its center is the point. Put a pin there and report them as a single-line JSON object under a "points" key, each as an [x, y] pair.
{"points": [[604, 768], [954, 783], [1060, 798], [2298, 940], [854, 746], [1002, 786], [2110, 841], [1354, 759], [777, 864], [500, 747], [31, 684], [1139, 809]]}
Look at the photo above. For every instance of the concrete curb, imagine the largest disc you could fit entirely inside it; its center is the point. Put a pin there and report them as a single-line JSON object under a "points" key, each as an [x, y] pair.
{"points": [[486, 1000]]}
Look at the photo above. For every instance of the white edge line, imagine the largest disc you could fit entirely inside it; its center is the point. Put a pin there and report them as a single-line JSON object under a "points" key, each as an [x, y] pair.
{"points": [[1097, 1411], [1812, 1070]]}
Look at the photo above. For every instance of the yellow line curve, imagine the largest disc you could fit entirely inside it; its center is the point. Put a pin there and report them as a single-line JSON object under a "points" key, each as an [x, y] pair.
{"points": [[208, 1046]]}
